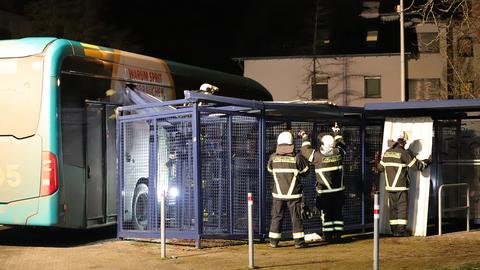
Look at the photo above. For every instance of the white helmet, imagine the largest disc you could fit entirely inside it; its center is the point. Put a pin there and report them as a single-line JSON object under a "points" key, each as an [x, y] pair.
{"points": [[206, 87], [285, 138], [328, 141]]}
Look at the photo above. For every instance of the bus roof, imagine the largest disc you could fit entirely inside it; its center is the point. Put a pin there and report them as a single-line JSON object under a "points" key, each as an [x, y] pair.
{"points": [[24, 47]]}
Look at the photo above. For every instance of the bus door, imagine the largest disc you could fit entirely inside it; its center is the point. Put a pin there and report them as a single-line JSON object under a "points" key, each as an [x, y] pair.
{"points": [[100, 182]]}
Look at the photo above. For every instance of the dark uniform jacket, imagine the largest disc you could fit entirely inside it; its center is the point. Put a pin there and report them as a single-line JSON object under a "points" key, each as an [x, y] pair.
{"points": [[328, 166], [395, 163], [285, 167]]}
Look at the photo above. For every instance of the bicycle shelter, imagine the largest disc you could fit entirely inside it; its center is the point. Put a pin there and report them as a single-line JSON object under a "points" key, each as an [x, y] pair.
{"points": [[207, 152]]}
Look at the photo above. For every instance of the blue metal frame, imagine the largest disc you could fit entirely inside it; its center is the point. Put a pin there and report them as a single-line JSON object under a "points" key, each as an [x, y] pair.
{"points": [[193, 107], [197, 173]]}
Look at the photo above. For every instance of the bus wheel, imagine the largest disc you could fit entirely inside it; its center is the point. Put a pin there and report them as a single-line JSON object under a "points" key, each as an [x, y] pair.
{"points": [[140, 207]]}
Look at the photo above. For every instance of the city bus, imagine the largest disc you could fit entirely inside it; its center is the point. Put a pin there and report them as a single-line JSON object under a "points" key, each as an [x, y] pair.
{"points": [[57, 124]]}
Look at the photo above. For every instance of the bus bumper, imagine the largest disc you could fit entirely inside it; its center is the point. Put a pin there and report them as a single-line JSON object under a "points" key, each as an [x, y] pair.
{"points": [[33, 212]]}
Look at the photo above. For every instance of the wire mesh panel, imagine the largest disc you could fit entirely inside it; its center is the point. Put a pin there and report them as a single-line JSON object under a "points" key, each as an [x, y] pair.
{"points": [[245, 175], [352, 177], [215, 174], [373, 147], [175, 171], [134, 154]]}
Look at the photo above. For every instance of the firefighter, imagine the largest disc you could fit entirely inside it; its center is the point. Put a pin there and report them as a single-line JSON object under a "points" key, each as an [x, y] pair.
{"points": [[328, 162], [286, 167], [395, 163]]}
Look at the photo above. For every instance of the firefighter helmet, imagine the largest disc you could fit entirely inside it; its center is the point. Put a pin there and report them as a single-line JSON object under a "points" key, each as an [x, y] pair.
{"points": [[328, 141], [285, 138]]}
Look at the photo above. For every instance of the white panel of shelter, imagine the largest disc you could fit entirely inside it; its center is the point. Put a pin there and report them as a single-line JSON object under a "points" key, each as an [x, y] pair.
{"points": [[420, 131]]}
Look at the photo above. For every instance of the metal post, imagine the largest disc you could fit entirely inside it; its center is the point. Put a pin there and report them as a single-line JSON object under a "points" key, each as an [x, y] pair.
{"points": [[440, 210], [402, 53], [250, 231], [197, 174], [468, 208], [162, 224], [465, 207], [376, 221]]}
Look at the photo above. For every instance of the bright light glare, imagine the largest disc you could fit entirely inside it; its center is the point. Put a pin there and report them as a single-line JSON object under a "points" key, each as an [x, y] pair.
{"points": [[173, 192]]}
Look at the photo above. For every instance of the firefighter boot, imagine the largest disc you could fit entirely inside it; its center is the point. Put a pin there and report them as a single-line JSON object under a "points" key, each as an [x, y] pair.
{"points": [[274, 243], [300, 243]]}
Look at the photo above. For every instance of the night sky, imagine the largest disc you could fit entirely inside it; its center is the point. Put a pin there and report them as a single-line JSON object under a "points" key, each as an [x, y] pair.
{"points": [[208, 33]]}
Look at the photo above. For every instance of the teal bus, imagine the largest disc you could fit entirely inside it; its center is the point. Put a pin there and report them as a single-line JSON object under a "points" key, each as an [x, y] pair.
{"points": [[57, 124]]}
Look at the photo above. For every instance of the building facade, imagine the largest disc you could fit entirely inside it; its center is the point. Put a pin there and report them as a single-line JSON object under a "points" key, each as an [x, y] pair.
{"points": [[356, 79], [445, 65]]}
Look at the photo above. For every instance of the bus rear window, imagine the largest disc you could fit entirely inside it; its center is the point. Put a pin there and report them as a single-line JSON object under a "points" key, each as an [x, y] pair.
{"points": [[20, 95]]}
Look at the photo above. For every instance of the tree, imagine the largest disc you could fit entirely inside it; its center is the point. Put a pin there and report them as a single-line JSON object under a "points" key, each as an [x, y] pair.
{"points": [[458, 22]]}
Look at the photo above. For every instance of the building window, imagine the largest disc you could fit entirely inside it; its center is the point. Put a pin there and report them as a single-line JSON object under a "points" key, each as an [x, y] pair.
{"points": [[428, 42], [372, 87], [320, 89], [465, 47], [424, 89]]}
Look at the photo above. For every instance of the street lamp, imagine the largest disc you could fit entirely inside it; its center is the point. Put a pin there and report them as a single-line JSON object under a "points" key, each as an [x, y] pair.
{"points": [[372, 13]]}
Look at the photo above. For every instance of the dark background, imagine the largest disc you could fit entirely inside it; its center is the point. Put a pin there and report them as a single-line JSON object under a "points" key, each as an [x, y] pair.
{"points": [[209, 33]]}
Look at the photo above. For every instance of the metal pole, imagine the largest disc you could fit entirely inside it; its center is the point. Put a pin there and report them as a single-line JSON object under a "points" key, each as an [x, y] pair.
{"points": [[250, 231], [162, 224], [468, 208], [376, 221], [402, 53], [440, 210]]}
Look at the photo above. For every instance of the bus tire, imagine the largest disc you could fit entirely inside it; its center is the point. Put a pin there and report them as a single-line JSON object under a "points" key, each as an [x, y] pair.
{"points": [[140, 206]]}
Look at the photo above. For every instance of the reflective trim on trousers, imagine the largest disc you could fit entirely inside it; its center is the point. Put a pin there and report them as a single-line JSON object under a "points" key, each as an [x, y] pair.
{"points": [[336, 222], [331, 229], [274, 235], [398, 222], [298, 235]]}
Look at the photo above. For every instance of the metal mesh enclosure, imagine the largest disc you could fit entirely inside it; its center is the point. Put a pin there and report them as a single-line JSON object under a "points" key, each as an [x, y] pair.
{"points": [[207, 156]]}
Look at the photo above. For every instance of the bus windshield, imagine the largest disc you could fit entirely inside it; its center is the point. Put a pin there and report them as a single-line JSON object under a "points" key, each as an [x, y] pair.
{"points": [[20, 95]]}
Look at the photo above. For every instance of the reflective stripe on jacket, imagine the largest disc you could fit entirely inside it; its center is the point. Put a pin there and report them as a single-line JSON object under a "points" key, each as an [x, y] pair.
{"points": [[395, 163], [285, 170], [328, 166]]}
